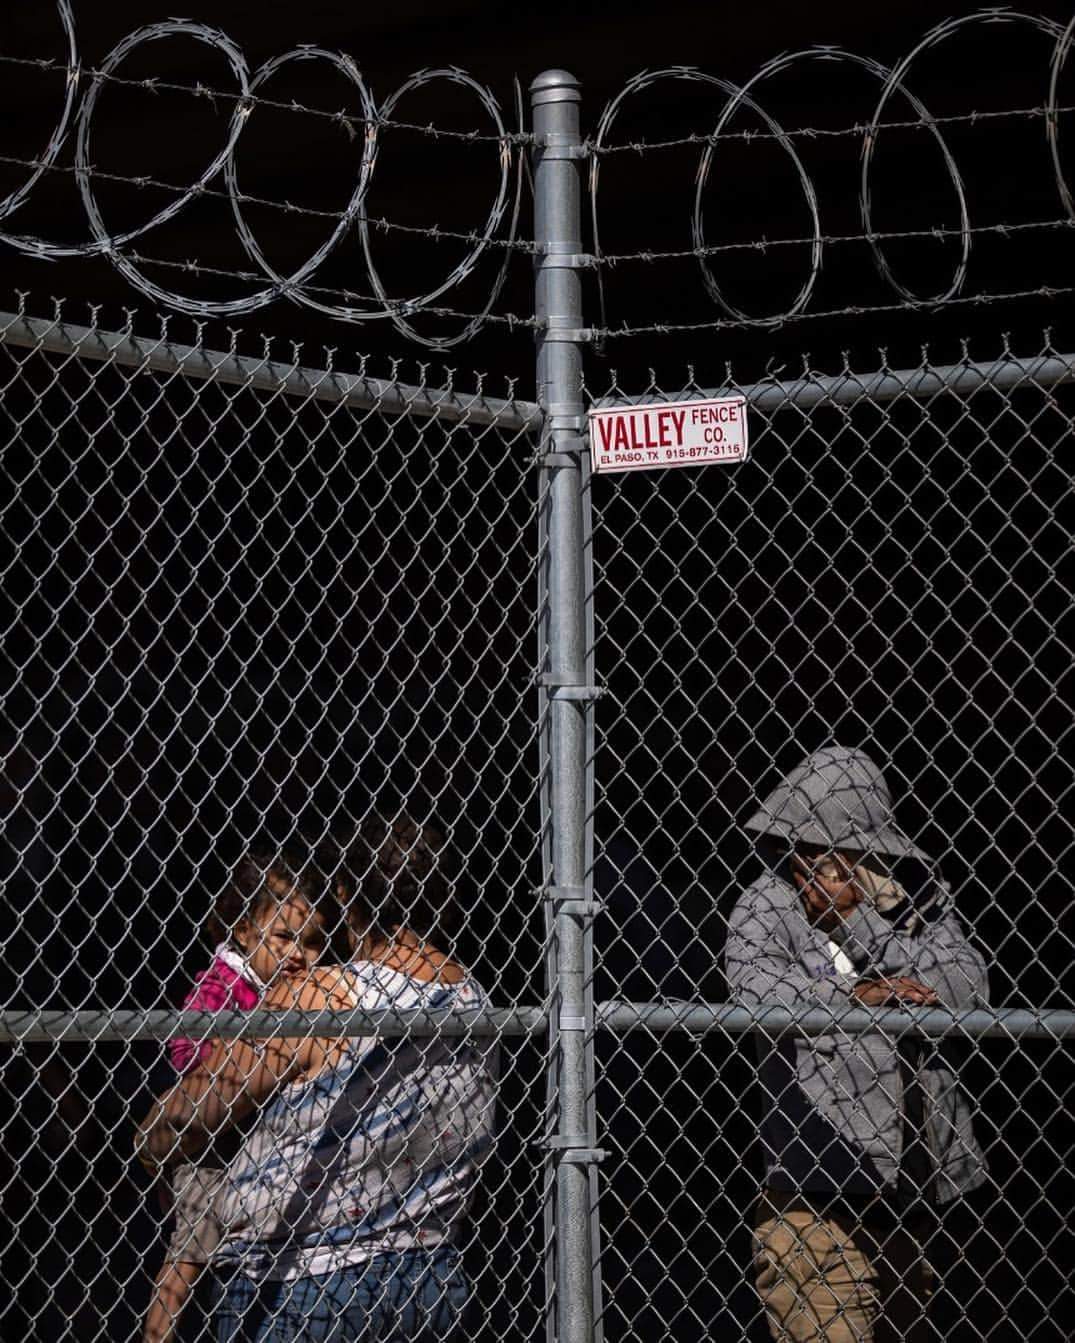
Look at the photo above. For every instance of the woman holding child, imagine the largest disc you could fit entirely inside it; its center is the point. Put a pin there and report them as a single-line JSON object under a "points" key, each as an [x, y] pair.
{"points": [[340, 1214]]}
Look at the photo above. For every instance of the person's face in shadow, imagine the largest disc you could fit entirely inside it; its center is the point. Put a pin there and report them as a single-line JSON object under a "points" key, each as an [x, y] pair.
{"points": [[825, 880]]}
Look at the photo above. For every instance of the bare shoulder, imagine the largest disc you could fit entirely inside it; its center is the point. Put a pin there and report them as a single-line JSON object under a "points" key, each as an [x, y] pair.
{"points": [[324, 986], [444, 970]]}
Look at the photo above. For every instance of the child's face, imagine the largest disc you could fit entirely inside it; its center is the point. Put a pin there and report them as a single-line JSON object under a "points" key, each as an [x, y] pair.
{"points": [[284, 937]]}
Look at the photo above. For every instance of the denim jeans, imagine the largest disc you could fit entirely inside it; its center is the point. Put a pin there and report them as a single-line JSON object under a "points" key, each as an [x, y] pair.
{"points": [[409, 1296]]}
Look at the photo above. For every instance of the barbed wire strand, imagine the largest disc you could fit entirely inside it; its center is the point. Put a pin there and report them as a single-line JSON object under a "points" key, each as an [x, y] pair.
{"points": [[513, 321], [527, 247], [142, 181], [353, 122], [388, 307], [852, 310], [435, 233], [856, 130], [347, 121], [878, 235]]}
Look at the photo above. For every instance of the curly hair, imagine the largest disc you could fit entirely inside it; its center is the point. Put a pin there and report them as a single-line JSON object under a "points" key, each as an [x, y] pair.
{"points": [[399, 874], [264, 876]]}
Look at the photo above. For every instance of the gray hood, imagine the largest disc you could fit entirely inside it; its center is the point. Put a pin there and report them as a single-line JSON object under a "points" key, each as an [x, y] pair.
{"points": [[837, 798]]}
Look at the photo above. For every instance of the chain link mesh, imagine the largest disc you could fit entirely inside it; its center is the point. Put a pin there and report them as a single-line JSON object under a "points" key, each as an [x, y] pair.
{"points": [[231, 612], [228, 614], [892, 575]]}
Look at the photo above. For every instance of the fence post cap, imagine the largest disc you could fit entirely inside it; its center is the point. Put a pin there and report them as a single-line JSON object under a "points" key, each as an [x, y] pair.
{"points": [[555, 86]]}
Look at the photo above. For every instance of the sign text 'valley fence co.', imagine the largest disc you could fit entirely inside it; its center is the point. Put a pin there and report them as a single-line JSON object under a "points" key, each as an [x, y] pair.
{"points": [[669, 433]]}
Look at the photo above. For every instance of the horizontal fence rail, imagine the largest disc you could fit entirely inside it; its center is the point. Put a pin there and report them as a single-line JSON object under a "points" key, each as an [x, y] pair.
{"points": [[164, 355], [617, 1018], [123, 1024], [931, 1023], [922, 384], [363, 393], [851, 389]]}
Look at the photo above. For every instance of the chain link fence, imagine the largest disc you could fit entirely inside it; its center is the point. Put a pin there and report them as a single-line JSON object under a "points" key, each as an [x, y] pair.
{"points": [[890, 571], [250, 602], [231, 611]]}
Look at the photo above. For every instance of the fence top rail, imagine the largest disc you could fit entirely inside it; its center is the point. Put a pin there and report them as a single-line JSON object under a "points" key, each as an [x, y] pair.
{"points": [[846, 389], [920, 384], [227, 366], [110, 1024], [774, 1019], [54, 336]]}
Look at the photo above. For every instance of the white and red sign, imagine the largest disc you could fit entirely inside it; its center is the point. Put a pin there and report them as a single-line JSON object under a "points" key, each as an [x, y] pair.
{"points": [[669, 433]]}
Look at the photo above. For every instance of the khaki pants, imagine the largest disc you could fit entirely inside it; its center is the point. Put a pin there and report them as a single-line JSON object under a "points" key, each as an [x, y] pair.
{"points": [[825, 1276]]}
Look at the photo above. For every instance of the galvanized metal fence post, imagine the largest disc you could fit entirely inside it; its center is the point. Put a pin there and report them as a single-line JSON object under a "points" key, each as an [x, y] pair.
{"points": [[567, 682]]}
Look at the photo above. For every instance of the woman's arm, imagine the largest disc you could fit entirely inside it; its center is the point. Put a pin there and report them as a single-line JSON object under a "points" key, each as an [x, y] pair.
{"points": [[239, 1076]]}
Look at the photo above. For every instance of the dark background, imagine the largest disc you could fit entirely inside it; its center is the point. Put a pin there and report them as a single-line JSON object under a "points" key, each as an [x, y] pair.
{"points": [[342, 629]]}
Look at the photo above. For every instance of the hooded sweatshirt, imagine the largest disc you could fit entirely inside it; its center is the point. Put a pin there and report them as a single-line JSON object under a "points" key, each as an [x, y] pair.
{"points": [[842, 1112]]}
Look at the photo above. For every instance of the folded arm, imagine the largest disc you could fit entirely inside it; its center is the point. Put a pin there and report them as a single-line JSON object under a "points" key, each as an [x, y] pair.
{"points": [[762, 966], [239, 1076]]}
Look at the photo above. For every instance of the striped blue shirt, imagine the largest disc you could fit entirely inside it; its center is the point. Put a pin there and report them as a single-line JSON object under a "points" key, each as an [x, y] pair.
{"points": [[380, 1151]]}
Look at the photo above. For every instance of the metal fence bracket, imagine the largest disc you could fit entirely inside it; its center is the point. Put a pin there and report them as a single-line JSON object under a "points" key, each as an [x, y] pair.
{"points": [[573, 900]]}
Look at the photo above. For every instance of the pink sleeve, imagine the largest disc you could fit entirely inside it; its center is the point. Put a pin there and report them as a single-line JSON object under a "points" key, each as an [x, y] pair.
{"points": [[214, 990], [245, 995]]}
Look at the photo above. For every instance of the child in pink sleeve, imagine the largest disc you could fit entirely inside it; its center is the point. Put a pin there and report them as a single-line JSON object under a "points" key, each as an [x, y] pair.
{"points": [[268, 922], [229, 985]]}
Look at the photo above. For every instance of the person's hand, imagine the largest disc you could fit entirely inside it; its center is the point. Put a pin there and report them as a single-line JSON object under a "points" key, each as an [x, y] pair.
{"points": [[898, 989], [827, 888], [149, 1160]]}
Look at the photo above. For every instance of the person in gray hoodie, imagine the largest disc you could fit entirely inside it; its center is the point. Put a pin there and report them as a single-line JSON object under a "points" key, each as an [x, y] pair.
{"points": [[864, 1136]]}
